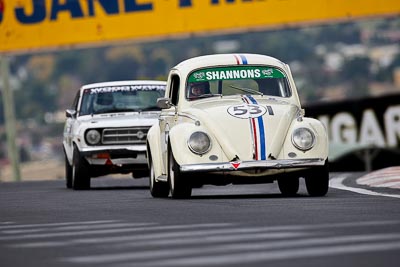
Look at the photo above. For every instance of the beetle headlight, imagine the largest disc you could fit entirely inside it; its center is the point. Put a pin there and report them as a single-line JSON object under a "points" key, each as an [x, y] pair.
{"points": [[303, 138], [93, 137], [199, 143]]}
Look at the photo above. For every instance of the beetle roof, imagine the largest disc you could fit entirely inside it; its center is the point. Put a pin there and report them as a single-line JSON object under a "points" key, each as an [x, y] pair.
{"points": [[229, 59]]}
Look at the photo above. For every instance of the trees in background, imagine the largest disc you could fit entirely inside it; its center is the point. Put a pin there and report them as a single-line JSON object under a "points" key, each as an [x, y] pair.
{"points": [[47, 82]]}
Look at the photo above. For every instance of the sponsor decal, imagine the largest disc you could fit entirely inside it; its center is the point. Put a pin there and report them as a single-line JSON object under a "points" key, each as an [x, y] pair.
{"points": [[236, 73], [125, 88]]}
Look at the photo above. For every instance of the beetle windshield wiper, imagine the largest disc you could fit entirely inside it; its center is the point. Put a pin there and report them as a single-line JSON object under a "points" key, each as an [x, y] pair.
{"points": [[204, 96], [248, 90], [208, 95]]}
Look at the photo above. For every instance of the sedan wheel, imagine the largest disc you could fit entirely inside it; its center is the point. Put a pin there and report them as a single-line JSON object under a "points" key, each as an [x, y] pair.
{"points": [[179, 185], [68, 173], [288, 185], [80, 173]]}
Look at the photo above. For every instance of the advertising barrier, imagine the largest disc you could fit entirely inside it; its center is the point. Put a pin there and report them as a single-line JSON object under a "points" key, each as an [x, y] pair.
{"points": [[33, 24], [364, 133]]}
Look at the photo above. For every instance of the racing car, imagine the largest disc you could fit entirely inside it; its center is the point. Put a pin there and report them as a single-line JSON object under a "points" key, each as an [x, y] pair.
{"points": [[106, 128]]}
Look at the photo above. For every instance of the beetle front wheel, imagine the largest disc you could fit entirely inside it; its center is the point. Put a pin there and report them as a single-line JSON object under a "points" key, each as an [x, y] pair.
{"points": [[157, 189], [317, 181], [178, 183]]}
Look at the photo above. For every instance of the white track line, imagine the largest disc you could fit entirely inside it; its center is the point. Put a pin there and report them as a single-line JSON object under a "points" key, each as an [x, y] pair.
{"points": [[248, 252], [337, 183]]}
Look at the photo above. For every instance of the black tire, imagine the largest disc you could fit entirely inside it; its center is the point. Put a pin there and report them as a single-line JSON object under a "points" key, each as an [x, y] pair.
{"points": [[157, 189], [317, 181], [139, 173], [288, 185], [68, 173], [178, 182], [80, 172]]}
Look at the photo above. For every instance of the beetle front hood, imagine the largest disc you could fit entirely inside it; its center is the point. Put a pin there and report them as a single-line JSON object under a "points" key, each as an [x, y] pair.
{"points": [[259, 125]]}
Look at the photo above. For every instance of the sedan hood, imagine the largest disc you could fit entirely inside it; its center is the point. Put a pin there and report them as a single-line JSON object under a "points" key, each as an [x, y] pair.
{"points": [[126, 119], [259, 124]]}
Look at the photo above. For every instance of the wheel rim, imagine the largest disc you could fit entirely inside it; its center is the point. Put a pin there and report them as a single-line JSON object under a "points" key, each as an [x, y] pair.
{"points": [[152, 177], [73, 172], [171, 175], [74, 178]]}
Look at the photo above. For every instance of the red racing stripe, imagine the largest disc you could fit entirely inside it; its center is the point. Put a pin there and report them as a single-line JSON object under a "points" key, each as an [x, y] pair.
{"points": [[237, 60]]}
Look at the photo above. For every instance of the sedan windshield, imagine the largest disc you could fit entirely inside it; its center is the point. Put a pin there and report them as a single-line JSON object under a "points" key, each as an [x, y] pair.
{"points": [[112, 99], [233, 80]]}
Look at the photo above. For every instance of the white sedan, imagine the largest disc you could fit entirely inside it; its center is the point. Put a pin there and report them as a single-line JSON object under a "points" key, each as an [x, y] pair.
{"points": [[106, 129], [234, 118]]}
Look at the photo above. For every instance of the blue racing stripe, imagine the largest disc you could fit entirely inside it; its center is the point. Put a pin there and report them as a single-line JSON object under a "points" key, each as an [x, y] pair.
{"points": [[262, 137], [244, 59], [252, 99], [262, 132]]}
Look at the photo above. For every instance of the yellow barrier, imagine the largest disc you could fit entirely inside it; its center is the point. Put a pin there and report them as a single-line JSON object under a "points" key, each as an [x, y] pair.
{"points": [[33, 24]]}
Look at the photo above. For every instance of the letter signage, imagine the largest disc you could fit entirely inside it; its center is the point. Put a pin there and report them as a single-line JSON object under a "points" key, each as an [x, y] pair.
{"points": [[38, 24]]}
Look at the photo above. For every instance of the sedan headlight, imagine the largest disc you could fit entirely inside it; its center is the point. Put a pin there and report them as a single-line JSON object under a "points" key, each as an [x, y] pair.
{"points": [[93, 137], [199, 143], [303, 139]]}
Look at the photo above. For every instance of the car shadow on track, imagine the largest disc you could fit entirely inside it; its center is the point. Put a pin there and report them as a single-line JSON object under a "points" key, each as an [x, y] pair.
{"points": [[105, 188], [248, 196], [124, 183]]}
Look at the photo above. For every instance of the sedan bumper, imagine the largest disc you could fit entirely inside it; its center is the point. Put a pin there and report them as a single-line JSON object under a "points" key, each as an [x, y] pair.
{"points": [[117, 155], [99, 149], [248, 165]]}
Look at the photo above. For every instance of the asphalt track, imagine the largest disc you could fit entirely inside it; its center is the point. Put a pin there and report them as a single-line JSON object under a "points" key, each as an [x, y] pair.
{"points": [[118, 223]]}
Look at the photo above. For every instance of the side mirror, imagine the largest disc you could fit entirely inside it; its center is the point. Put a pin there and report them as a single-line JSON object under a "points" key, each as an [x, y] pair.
{"points": [[70, 113], [164, 103]]}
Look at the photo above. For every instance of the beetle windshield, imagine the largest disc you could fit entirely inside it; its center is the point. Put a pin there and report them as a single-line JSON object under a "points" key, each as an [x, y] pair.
{"points": [[232, 80], [110, 99]]}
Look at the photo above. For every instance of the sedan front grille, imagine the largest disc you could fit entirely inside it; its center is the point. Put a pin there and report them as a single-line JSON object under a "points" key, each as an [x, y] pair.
{"points": [[120, 136]]}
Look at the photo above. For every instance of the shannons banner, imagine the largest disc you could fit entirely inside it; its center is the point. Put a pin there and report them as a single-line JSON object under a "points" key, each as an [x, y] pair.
{"points": [[235, 73], [38, 24]]}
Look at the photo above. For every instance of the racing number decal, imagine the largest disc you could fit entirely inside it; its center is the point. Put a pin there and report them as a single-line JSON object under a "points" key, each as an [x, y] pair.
{"points": [[247, 111]]}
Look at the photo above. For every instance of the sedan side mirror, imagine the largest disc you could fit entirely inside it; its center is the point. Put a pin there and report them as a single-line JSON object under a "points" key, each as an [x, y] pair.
{"points": [[70, 113], [164, 103]]}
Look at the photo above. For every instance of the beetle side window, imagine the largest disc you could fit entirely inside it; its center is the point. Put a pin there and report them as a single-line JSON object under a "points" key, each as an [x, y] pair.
{"points": [[174, 92]]}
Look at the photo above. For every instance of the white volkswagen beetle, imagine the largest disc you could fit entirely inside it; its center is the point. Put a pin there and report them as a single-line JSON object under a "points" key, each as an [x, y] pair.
{"points": [[106, 127], [234, 118]]}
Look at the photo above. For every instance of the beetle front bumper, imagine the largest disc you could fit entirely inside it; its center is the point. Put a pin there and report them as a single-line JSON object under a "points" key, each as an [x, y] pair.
{"points": [[249, 165]]}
